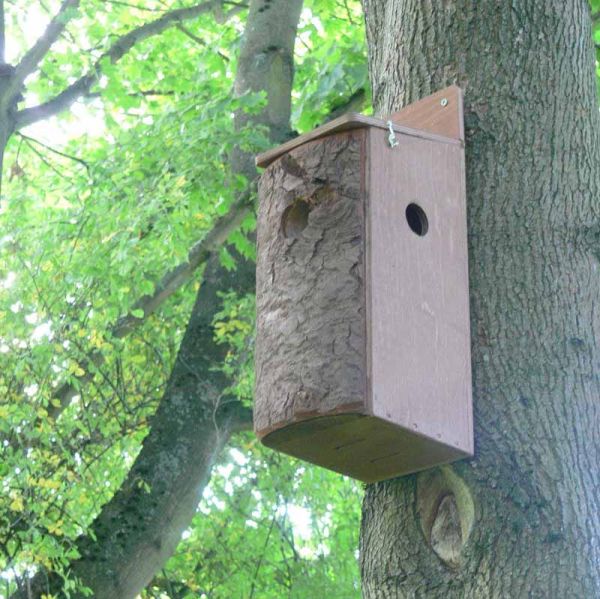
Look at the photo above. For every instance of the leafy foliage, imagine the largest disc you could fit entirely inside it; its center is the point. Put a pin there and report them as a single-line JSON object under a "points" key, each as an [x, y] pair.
{"points": [[97, 206], [269, 527], [595, 7]]}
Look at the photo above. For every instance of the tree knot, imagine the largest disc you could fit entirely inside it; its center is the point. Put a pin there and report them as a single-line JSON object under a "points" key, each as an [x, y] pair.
{"points": [[446, 513]]}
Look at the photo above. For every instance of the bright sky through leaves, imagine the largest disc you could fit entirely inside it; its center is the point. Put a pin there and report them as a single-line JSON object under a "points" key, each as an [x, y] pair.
{"points": [[102, 201]]}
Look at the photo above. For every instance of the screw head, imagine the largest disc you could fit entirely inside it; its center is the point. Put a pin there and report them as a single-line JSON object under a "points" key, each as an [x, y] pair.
{"points": [[444, 102]]}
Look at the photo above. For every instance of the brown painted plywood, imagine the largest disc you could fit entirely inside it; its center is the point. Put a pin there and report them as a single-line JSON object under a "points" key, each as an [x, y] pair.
{"points": [[311, 332], [363, 447], [440, 113], [347, 122], [417, 295]]}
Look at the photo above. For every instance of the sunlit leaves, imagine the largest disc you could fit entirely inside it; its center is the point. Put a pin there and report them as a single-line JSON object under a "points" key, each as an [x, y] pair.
{"points": [[331, 61], [101, 203], [234, 326], [270, 527]]}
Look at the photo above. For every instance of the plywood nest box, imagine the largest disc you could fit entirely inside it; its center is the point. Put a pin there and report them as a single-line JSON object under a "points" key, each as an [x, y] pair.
{"points": [[363, 346]]}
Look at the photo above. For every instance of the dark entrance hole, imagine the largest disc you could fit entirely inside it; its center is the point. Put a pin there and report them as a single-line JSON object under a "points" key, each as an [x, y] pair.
{"points": [[417, 219], [295, 219]]}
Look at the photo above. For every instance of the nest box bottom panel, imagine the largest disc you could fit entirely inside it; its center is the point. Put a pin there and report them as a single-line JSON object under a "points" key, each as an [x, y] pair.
{"points": [[366, 448]]}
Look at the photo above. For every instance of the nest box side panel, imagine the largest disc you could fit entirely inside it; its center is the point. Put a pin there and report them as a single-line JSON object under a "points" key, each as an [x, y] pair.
{"points": [[418, 293], [310, 340]]}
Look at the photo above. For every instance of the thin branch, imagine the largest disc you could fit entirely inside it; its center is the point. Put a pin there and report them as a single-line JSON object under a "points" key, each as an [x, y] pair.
{"points": [[45, 160], [55, 151], [168, 285], [181, 274], [123, 44], [596, 17], [36, 53], [144, 93], [260, 561], [348, 12], [2, 34], [199, 40], [130, 5]]}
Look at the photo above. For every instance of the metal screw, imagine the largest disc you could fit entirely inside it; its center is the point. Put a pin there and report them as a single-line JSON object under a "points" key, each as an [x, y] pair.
{"points": [[444, 102], [392, 136]]}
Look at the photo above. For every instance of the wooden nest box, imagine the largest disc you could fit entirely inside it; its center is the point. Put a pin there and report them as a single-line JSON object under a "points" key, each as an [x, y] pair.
{"points": [[363, 345]]}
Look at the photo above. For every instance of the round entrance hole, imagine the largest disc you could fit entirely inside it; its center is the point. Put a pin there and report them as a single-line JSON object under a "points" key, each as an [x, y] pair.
{"points": [[417, 219], [295, 219]]}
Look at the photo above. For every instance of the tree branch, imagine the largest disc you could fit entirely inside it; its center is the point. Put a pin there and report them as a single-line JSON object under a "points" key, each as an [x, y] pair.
{"points": [[145, 93], [36, 53], [2, 34], [199, 40], [177, 277], [595, 17], [31, 140], [168, 285], [131, 5], [82, 86]]}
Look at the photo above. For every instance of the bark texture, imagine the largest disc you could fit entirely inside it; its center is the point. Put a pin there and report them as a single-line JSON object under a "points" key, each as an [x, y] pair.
{"points": [[266, 63], [311, 258], [523, 518]]}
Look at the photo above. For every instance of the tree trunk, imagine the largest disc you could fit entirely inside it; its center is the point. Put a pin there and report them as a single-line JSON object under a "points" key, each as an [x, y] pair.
{"points": [[8, 106], [522, 519], [138, 530]]}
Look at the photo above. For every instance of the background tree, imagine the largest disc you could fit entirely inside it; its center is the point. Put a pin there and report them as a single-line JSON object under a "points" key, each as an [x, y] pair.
{"points": [[522, 518], [118, 233]]}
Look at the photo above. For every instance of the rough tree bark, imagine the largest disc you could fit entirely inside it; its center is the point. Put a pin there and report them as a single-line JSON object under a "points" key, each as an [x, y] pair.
{"points": [[141, 526], [318, 183], [523, 518]]}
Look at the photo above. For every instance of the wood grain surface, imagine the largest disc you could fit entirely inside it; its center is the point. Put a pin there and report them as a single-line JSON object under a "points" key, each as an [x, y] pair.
{"points": [[418, 290], [440, 113]]}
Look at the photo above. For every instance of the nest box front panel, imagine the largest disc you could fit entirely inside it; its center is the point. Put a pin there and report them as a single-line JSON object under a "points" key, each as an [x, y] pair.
{"points": [[418, 301], [311, 330]]}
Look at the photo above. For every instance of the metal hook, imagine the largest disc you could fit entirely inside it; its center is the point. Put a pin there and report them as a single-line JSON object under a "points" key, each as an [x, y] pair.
{"points": [[392, 136]]}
